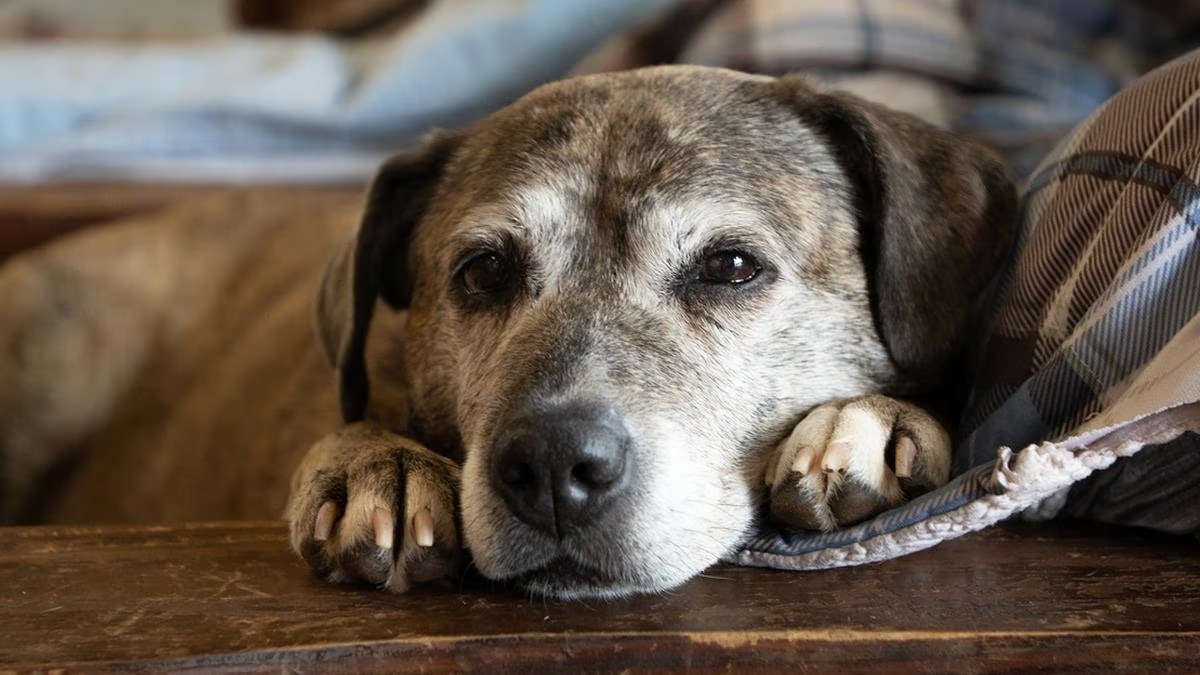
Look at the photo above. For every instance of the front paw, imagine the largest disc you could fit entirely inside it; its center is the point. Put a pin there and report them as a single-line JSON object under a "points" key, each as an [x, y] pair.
{"points": [[847, 461], [370, 506]]}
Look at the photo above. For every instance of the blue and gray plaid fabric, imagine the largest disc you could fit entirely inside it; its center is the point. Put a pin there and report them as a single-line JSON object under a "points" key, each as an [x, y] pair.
{"points": [[1109, 269], [1109, 274], [1096, 323], [1018, 74]]}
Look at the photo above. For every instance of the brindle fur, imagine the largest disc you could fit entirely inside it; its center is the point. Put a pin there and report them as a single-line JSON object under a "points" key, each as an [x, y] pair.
{"points": [[175, 351]]}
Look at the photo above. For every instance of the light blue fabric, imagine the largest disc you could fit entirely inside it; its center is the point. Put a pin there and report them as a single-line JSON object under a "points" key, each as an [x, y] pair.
{"points": [[284, 108]]}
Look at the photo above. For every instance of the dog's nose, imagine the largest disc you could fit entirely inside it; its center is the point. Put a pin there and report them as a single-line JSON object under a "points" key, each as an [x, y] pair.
{"points": [[558, 470]]}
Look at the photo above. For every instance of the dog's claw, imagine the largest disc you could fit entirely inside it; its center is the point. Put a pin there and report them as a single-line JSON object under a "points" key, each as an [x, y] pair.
{"points": [[803, 463], [906, 454], [326, 516], [422, 525], [376, 508], [833, 468], [772, 467], [385, 526], [837, 456]]}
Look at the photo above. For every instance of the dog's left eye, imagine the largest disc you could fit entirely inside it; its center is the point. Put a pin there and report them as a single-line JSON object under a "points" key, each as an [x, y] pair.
{"points": [[730, 267], [485, 273]]}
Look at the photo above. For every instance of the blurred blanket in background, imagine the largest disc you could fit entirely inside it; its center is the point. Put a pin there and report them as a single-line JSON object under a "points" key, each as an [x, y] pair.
{"points": [[1017, 74], [261, 108], [255, 108]]}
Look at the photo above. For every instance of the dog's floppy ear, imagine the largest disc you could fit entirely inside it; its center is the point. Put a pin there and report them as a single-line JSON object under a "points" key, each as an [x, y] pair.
{"points": [[376, 264], [332, 310], [937, 215]]}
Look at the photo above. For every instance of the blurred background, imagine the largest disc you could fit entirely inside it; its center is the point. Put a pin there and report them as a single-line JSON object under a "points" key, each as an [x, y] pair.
{"points": [[112, 107]]}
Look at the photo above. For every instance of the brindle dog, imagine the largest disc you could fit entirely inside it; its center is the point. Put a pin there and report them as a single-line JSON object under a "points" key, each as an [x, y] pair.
{"points": [[591, 339]]}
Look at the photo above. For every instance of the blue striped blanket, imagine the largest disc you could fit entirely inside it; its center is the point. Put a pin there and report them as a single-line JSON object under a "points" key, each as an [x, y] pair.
{"points": [[1017, 74], [1088, 399]]}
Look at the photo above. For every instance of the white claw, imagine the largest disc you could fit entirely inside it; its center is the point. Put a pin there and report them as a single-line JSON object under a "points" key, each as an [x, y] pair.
{"points": [[772, 467], [325, 517], [384, 525], [802, 464], [837, 455], [906, 455], [422, 525]]}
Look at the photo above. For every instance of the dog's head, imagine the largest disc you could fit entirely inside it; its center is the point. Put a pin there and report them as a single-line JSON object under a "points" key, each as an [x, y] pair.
{"points": [[611, 299]]}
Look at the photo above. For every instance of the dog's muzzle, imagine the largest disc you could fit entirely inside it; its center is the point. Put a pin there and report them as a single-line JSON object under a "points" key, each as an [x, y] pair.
{"points": [[560, 469]]}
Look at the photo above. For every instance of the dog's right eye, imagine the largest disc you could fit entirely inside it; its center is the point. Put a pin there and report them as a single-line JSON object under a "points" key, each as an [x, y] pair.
{"points": [[485, 274], [730, 267]]}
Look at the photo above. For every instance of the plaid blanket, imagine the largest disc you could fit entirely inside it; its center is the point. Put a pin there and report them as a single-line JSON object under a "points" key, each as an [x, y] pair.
{"points": [[1092, 361], [1018, 74]]}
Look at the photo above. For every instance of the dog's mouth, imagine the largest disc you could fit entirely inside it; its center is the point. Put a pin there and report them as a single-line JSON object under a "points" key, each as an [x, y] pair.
{"points": [[564, 577], [564, 570]]}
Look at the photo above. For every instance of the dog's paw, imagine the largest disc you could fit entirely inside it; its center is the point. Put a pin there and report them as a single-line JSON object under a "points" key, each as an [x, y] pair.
{"points": [[370, 506], [847, 461]]}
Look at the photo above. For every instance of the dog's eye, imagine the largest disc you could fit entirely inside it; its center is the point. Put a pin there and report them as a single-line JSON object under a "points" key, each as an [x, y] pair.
{"points": [[730, 267], [485, 273]]}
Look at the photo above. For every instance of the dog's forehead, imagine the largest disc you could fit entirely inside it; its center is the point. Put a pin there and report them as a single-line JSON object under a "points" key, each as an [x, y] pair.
{"points": [[672, 143], [666, 128]]}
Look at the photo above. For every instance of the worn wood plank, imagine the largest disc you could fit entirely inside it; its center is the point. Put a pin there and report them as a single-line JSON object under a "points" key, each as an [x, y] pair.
{"points": [[231, 596]]}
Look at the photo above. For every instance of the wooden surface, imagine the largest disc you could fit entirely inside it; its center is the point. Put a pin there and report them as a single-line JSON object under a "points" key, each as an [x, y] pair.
{"points": [[231, 596]]}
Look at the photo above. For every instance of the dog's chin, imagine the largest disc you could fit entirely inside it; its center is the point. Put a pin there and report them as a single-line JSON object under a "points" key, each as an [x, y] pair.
{"points": [[565, 579], [571, 570]]}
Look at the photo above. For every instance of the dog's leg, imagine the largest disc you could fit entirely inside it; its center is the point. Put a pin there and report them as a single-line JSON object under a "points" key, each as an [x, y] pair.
{"points": [[847, 461], [71, 340], [370, 506]]}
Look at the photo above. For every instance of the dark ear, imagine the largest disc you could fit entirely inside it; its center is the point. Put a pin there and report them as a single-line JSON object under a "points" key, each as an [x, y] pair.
{"points": [[937, 217], [332, 310], [376, 264]]}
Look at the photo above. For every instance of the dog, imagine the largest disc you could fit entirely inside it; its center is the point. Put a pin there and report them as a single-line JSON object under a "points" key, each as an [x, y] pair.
{"points": [[592, 340]]}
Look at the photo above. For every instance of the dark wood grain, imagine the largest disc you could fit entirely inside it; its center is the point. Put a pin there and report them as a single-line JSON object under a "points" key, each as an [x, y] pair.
{"points": [[231, 596]]}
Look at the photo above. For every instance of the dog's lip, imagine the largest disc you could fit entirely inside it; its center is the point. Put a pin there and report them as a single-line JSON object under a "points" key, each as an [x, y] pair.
{"points": [[564, 571]]}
